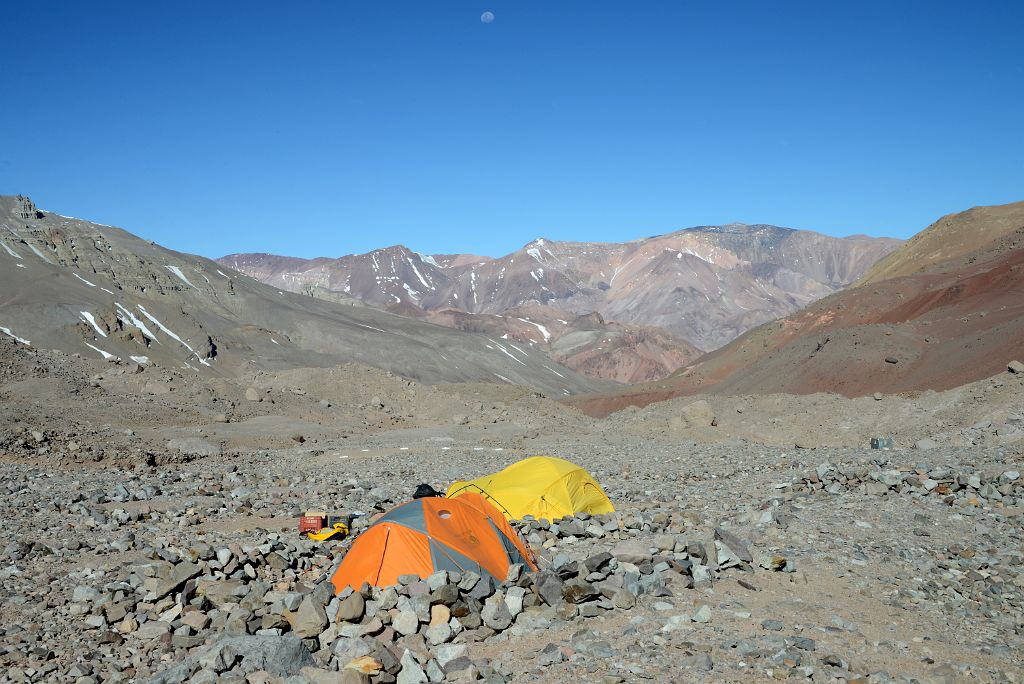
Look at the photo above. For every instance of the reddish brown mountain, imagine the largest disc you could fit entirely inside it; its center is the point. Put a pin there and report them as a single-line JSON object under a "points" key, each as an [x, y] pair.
{"points": [[945, 309]]}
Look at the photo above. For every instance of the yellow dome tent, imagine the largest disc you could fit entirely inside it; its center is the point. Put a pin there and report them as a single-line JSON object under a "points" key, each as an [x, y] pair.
{"points": [[541, 486]]}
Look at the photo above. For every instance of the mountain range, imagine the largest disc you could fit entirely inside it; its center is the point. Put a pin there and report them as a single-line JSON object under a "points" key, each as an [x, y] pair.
{"points": [[943, 310], [660, 301], [938, 311]]}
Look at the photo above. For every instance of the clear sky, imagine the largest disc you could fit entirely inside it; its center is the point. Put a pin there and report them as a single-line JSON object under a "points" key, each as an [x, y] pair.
{"points": [[328, 127]]}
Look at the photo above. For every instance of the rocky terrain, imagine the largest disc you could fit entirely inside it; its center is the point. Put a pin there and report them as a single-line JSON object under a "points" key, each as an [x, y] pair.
{"points": [[149, 531], [944, 310], [703, 285]]}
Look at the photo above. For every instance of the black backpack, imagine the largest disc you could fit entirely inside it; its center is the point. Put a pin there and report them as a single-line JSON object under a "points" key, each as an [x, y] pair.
{"points": [[425, 490]]}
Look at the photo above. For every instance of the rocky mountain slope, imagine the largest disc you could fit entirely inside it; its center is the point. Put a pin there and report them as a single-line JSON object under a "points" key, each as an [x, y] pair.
{"points": [[705, 285], [588, 344], [945, 309], [97, 290]]}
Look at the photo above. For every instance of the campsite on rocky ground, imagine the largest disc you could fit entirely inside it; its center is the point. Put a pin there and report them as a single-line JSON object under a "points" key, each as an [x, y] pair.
{"points": [[529, 342], [167, 427], [150, 532]]}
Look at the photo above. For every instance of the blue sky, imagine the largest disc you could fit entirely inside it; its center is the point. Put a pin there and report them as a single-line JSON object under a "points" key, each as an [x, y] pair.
{"points": [[327, 127]]}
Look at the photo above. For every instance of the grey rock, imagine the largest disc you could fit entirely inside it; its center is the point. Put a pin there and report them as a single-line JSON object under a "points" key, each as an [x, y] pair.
{"points": [[702, 614], [633, 551], [406, 622], [280, 656], [437, 580], [482, 589], [310, 619], [411, 672], [699, 661], [154, 629], [347, 649], [550, 655], [698, 414], [890, 478], [438, 634], [624, 599], [514, 599], [597, 562], [677, 622], [446, 594], [578, 591], [735, 545], [495, 613], [352, 608], [449, 652], [548, 588], [84, 594], [179, 574]]}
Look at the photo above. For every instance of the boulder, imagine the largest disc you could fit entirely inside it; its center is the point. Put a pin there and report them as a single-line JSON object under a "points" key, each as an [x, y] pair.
{"points": [[735, 544], [548, 588], [406, 622], [632, 551], [348, 649], [578, 590], [280, 656], [597, 562], [438, 634], [172, 581], [514, 598], [890, 478], [154, 629], [411, 672], [310, 619], [351, 609], [496, 614]]}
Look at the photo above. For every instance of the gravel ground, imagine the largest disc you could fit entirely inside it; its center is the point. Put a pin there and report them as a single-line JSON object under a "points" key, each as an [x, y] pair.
{"points": [[124, 559]]}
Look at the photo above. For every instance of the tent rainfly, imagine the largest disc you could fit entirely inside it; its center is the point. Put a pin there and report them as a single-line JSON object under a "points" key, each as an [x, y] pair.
{"points": [[540, 486], [427, 535]]}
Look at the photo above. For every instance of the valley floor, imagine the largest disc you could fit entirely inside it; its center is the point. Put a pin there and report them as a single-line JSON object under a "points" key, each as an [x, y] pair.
{"points": [[150, 518]]}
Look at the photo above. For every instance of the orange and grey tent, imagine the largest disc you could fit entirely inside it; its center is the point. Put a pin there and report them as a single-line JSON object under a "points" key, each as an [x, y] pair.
{"points": [[426, 535]]}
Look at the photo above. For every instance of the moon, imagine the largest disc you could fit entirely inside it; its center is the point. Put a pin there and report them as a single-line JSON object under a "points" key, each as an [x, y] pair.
{"points": [[487, 17]]}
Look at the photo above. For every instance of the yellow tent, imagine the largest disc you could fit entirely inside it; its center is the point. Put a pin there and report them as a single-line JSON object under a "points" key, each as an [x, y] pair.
{"points": [[541, 486]]}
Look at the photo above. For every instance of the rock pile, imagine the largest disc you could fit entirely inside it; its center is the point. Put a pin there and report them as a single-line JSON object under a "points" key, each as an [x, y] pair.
{"points": [[963, 489], [239, 608]]}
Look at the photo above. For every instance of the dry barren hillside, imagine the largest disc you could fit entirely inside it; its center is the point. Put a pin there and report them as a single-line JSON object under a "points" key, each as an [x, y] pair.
{"points": [[945, 309], [96, 290]]}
